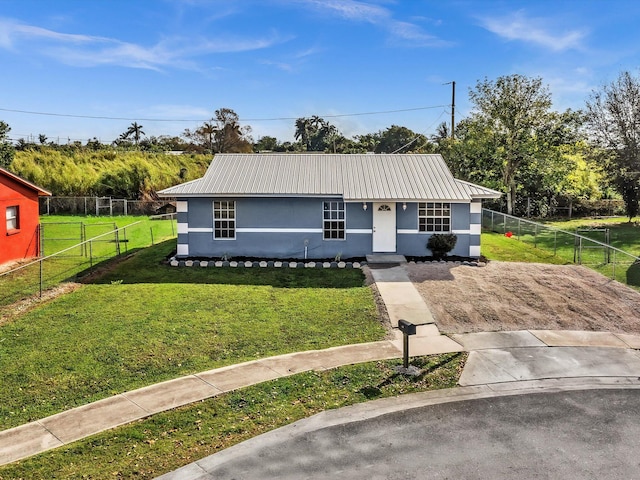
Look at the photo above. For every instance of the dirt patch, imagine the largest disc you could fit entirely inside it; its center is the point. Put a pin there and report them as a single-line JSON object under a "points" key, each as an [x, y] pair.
{"points": [[9, 312], [519, 296]]}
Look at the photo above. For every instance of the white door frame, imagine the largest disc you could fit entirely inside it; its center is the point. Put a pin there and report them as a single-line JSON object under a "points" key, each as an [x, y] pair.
{"points": [[384, 227]]}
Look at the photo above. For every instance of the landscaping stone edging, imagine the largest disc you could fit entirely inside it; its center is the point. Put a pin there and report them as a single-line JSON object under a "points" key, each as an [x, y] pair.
{"points": [[300, 264]]}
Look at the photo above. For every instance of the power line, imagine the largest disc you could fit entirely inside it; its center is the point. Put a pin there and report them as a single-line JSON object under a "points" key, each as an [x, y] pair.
{"points": [[423, 132], [94, 117]]}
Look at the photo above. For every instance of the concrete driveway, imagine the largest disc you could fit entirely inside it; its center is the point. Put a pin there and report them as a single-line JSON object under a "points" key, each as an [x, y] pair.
{"points": [[568, 434]]}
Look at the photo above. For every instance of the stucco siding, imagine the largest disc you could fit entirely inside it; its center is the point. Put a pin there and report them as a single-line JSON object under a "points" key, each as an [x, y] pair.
{"points": [[283, 227]]}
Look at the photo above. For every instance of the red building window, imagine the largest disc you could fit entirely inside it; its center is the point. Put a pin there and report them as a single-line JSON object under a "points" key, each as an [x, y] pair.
{"points": [[13, 218]]}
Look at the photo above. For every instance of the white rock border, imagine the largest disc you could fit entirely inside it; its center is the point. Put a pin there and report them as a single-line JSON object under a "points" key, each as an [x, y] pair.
{"points": [[174, 262]]}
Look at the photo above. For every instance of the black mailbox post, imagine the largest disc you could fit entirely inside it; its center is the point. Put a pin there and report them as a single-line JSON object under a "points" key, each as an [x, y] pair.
{"points": [[407, 328]]}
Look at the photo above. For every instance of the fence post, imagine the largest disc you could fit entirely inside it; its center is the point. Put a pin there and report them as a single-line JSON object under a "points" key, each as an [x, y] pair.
{"points": [[90, 255], [519, 224], [614, 265], [535, 235], [555, 243], [41, 279], [151, 230], [492, 212], [117, 243], [83, 238], [579, 250]]}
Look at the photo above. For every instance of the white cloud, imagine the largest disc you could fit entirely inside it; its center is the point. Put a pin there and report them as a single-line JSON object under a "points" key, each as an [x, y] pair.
{"points": [[354, 10], [379, 16], [517, 26], [88, 50]]}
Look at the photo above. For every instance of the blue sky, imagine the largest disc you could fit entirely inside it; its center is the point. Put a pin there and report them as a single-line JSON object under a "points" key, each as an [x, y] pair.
{"points": [[275, 60]]}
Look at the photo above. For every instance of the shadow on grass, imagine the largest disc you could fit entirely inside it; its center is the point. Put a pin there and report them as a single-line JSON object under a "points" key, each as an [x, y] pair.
{"points": [[149, 265], [426, 365]]}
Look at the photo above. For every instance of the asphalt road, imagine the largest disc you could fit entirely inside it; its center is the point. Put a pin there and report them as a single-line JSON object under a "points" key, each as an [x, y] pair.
{"points": [[590, 434]]}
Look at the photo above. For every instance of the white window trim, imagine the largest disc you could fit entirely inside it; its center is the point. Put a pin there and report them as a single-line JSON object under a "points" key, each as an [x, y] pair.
{"points": [[344, 220], [426, 204], [235, 220], [12, 215]]}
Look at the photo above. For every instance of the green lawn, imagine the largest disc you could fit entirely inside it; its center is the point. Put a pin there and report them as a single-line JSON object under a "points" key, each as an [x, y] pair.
{"points": [[143, 322], [623, 234], [169, 440], [147, 322], [62, 232], [495, 246]]}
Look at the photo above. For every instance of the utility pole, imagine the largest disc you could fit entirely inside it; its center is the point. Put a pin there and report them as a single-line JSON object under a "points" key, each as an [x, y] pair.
{"points": [[453, 108]]}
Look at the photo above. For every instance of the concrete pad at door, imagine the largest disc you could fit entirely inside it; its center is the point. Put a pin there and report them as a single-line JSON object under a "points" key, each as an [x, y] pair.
{"points": [[571, 338], [239, 376], [24, 441], [174, 393], [484, 340], [393, 274], [93, 418]]}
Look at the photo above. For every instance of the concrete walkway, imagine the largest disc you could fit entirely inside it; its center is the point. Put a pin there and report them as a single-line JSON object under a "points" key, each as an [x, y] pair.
{"points": [[495, 358]]}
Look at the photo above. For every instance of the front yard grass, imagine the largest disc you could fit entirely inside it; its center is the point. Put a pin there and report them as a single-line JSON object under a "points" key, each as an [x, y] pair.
{"points": [[169, 440], [62, 232], [146, 322], [496, 246]]}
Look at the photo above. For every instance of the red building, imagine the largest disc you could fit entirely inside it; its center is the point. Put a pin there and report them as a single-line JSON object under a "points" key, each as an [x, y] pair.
{"points": [[19, 237]]}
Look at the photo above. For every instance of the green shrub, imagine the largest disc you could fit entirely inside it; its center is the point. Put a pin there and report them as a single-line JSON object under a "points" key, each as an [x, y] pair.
{"points": [[441, 244]]}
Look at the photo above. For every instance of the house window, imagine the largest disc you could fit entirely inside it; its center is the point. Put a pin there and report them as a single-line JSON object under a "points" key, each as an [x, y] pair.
{"points": [[224, 220], [13, 220], [333, 224], [434, 217]]}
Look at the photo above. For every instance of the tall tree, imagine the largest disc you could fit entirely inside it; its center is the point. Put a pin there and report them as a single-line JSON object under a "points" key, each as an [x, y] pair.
{"points": [[396, 139], [221, 134], [613, 114], [318, 135], [229, 136], [303, 131], [513, 110], [134, 131], [6, 148]]}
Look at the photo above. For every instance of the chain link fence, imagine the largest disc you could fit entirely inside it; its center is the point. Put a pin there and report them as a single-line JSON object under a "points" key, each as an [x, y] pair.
{"points": [[107, 206], [569, 247], [62, 262]]}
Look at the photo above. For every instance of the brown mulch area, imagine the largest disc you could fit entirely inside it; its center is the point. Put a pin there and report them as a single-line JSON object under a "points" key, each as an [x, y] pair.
{"points": [[519, 296]]}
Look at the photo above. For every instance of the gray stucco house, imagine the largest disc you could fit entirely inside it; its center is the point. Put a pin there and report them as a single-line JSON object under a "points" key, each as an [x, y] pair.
{"points": [[317, 206]]}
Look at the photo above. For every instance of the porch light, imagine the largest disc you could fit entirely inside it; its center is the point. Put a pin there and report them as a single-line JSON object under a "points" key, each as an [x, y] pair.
{"points": [[404, 205], [364, 205]]}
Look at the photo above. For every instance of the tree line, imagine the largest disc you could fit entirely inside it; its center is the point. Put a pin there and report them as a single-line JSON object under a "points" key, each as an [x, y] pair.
{"points": [[512, 141]]}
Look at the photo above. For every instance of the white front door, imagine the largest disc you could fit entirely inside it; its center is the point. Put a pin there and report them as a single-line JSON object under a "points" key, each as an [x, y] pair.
{"points": [[384, 227]]}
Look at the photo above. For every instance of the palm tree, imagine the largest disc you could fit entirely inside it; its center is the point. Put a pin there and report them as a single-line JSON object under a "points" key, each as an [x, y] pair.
{"points": [[303, 131], [135, 130]]}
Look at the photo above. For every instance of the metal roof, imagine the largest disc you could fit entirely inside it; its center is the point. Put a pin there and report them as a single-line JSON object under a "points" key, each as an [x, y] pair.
{"points": [[355, 177]]}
